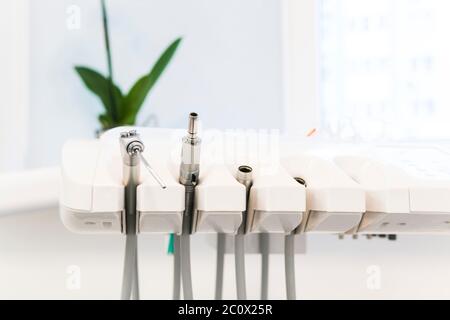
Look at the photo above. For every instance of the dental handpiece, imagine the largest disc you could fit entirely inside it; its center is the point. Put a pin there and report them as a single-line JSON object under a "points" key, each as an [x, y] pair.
{"points": [[245, 177], [132, 149], [190, 154], [190, 169], [189, 175]]}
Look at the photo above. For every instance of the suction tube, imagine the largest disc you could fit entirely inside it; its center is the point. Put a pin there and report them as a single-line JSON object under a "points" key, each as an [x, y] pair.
{"points": [[189, 174], [244, 176]]}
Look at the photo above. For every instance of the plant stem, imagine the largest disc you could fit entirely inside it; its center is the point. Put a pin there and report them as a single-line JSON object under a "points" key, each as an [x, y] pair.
{"points": [[109, 59]]}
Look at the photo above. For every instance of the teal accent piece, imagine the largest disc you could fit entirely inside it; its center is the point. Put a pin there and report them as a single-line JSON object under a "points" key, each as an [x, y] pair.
{"points": [[171, 247]]}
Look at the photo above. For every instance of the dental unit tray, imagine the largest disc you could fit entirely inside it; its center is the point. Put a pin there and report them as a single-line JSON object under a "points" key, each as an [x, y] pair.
{"points": [[277, 202], [310, 189], [215, 215], [335, 203], [403, 196], [92, 197]]}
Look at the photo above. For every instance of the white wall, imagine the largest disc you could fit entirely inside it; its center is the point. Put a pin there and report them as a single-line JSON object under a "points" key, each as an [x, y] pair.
{"points": [[13, 83], [228, 67]]}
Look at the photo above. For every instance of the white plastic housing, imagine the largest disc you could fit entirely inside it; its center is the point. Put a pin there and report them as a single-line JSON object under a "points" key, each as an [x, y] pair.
{"points": [[277, 202], [396, 201], [92, 193], [160, 210], [220, 200], [334, 201], [92, 197]]}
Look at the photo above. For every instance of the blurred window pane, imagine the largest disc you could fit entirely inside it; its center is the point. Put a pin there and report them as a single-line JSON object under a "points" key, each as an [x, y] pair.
{"points": [[385, 69]]}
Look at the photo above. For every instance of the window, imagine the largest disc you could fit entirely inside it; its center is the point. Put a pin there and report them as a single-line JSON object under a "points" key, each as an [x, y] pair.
{"points": [[384, 69]]}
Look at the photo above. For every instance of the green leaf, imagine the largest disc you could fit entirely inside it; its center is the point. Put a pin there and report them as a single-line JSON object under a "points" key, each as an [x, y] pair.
{"points": [[99, 85], [105, 121], [136, 97]]}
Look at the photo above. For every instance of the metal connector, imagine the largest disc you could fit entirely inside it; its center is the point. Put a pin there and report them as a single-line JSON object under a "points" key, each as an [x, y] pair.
{"points": [[189, 174], [245, 177], [190, 154], [132, 149]]}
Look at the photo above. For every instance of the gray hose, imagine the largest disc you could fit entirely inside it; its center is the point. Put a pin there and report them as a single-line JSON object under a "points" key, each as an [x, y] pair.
{"points": [[186, 267], [128, 269], [185, 243], [220, 260], [245, 177], [176, 268], [264, 243], [239, 260], [289, 266], [135, 290]]}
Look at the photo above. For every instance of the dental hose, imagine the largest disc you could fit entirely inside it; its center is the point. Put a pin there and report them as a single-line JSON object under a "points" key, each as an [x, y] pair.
{"points": [[289, 258], [220, 260], [176, 268], [185, 245], [132, 149], [189, 176], [289, 265], [244, 176], [239, 254], [129, 267], [135, 292], [264, 241]]}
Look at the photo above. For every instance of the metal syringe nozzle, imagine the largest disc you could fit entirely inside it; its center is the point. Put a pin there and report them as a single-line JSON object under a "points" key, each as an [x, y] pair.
{"points": [[193, 124]]}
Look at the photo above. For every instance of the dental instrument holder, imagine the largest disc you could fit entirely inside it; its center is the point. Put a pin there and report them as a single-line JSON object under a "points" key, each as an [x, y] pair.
{"points": [[189, 172], [131, 148], [245, 177]]}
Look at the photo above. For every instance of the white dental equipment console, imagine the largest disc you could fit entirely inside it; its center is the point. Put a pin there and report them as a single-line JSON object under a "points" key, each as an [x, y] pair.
{"points": [[388, 190], [296, 188]]}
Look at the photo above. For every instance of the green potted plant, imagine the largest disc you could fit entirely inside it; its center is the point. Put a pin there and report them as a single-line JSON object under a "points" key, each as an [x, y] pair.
{"points": [[122, 108]]}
